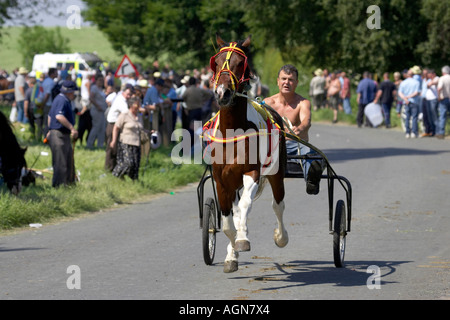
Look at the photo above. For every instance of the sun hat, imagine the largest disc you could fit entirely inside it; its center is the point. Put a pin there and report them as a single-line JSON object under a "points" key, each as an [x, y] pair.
{"points": [[318, 72], [23, 70]]}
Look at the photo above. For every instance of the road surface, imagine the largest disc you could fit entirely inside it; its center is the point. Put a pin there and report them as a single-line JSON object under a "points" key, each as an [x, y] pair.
{"points": [[398, 247]]}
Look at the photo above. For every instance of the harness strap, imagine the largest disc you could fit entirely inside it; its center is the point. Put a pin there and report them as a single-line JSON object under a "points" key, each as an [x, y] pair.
{"points": [[226, 65]]}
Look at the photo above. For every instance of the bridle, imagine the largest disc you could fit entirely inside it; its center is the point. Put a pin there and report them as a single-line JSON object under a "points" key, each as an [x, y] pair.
{"points": [[232, 48]]}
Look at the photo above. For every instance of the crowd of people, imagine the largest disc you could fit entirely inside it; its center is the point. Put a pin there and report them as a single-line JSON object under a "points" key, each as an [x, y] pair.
{"points": [[125, 116], [416, 94]]}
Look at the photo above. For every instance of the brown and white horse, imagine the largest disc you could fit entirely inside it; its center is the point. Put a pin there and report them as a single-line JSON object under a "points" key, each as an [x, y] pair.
{"points": [[230, 80]]}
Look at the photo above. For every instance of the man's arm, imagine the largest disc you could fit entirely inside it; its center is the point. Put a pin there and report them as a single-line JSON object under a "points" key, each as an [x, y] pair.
{"points": [[63, 120], [305, 120]]}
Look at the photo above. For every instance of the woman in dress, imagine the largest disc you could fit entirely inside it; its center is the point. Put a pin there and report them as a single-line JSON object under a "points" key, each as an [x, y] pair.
{"points": [[130, 126]]}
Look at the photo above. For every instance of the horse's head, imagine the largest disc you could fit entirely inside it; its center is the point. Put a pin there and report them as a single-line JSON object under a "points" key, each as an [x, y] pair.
{"points": [[231, 71]]}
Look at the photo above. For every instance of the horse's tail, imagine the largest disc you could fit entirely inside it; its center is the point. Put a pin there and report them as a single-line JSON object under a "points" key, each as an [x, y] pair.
{"points": [[261, 186]]}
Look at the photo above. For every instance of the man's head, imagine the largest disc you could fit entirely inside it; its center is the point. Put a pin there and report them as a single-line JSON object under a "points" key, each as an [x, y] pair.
{"points": [[446, 70], [159, 84], [52, 73], [287, 79], [68, 88], [128, 91]]}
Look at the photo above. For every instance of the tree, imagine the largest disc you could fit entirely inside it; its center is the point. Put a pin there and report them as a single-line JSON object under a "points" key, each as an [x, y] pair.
{"points": [[151, 29], [322, 33], [37, 39], [334, 33], [435, 50]]}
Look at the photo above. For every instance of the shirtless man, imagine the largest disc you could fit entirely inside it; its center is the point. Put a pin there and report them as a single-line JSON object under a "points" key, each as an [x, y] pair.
{"points": [[333, 94], [296, 110]]}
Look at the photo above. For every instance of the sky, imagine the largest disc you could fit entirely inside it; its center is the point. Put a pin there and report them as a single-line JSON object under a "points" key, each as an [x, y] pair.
{"points": [[53, 20]]}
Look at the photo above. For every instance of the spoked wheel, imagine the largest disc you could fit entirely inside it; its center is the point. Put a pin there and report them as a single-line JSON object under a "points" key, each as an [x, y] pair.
{"points": [[339, 234], [209, 230]]}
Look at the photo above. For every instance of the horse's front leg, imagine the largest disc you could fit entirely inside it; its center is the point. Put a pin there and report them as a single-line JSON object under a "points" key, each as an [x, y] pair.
{"points": [[280, 235], [245, 205], [228, 223]]}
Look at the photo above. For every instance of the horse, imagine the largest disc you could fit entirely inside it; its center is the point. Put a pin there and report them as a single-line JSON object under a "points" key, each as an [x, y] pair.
{"points": [[239, 181], [12, 159]]}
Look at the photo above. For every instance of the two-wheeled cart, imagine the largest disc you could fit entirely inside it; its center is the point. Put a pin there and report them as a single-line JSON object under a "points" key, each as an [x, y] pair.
{"points": [[339, 215]]}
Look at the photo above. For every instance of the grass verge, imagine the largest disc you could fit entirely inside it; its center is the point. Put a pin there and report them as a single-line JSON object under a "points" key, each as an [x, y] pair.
{"points": [[97, 189]]}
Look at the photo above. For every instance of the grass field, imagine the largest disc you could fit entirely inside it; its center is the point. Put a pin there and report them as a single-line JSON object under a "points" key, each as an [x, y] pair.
{"points": [[86, 39]]}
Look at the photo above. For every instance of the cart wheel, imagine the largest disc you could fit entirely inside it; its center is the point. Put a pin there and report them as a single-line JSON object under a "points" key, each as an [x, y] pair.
{"points": [[339, 234], [209, 231]]}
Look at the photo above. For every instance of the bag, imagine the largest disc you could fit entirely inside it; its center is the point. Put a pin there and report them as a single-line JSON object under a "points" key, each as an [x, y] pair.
{"points": [[143, 137], [13, 114], [374, 114]]}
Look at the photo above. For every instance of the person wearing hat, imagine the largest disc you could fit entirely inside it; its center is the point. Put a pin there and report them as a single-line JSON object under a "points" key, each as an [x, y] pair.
{"points": [[317, 89], [20, 87], [61, 123]]}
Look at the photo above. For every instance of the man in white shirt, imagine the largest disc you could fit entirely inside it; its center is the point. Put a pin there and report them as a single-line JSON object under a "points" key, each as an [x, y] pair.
{"points": [[119, 106], [431, 99], [444, 101]]}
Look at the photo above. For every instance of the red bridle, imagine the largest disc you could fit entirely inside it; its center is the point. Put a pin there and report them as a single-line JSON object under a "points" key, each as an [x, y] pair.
{"points": [[232, 48]]}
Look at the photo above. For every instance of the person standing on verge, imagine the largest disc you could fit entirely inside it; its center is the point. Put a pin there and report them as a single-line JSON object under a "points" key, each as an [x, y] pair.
{"points": [[317, 89], [97, 98], [195, 97], [61, 132], [130, 125], [346, 93], [432, 103], [333, 94], [119, 105], [409, 91], [366, 91], [48, 85], [20, 87], [386, 94], [444, 101]]}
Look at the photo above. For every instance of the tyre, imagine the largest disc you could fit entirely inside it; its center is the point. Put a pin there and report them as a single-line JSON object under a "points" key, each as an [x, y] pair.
{"points": [[339, 234], [209, 230]]}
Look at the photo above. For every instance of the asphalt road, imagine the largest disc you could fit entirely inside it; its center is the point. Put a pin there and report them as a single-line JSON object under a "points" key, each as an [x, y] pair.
{"points": [[400, 231]]}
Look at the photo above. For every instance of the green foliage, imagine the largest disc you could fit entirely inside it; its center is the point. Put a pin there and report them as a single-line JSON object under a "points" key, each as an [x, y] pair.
{"points": [[325, 33], [38, 39], [436, 47]]}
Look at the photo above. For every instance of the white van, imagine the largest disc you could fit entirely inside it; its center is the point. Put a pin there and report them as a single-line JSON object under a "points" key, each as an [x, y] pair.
{"points": [[79, 61]]}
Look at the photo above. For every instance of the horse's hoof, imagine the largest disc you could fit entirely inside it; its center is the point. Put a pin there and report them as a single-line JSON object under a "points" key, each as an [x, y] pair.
{"points": [[242, 245], [280, 241], [230, 266]]}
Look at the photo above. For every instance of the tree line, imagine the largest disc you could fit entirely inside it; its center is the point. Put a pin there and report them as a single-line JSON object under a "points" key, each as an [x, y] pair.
{"points": [[331, 33]]}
